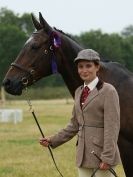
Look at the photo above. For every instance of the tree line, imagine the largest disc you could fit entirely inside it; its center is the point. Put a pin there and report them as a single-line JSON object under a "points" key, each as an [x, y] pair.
{"points": [[15, 29]]}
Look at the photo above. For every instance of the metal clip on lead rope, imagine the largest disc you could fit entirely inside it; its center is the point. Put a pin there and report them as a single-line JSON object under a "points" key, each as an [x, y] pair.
{"points": [[49, 148]]}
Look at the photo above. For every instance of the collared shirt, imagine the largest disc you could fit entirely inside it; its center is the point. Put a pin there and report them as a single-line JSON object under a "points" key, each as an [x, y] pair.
{"points": [[92, 84]]}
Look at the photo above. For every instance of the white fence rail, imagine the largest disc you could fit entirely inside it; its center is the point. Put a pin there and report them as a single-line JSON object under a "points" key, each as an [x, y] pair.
{"points": [[11, 115]]}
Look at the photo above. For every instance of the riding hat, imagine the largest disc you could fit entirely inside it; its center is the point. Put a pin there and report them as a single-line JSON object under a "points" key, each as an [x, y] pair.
{"points": [[87, 54]]}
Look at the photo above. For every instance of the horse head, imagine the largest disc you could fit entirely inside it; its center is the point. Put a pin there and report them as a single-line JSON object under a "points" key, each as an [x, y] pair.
{"points": [[37, 54], [38, 58]]}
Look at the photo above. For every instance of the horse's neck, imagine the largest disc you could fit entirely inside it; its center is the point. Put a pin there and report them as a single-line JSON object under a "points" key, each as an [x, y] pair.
{"points": [[113, 73], [68, 70]]}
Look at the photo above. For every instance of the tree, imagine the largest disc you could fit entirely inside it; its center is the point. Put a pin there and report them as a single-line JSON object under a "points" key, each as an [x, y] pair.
{"points": [[11, 40], [14, 31], [24, 23], [127, 52], [108, 45], [128, 31]]}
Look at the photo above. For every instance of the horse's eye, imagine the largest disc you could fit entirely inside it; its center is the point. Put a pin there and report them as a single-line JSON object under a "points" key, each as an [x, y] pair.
{"points": [[35, 46]]}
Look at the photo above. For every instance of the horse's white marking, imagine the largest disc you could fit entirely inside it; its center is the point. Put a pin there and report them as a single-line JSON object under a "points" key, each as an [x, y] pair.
{"points": [[29, 40]]}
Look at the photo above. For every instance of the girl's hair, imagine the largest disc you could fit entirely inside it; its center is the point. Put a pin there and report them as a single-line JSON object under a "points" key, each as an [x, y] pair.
{"points": [[96, 62]]}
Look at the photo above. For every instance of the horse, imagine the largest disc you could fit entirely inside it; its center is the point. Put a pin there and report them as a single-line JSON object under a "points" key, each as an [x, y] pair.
{"points": [[49, 50]]}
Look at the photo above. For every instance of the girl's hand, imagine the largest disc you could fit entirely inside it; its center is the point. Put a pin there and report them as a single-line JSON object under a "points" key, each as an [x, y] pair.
{"points": [[104, 166], [44, 142]]}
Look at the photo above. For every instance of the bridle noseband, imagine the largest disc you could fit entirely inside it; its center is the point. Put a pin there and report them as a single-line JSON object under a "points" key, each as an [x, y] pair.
{"points": [[29, 72]]}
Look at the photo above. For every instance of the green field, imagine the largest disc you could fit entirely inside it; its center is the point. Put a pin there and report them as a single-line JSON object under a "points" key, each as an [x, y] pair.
{"points": [[20, 153]]}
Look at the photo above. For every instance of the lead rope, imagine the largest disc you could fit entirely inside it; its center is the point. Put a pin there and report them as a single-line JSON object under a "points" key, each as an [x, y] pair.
{"points": [[35, 118]]}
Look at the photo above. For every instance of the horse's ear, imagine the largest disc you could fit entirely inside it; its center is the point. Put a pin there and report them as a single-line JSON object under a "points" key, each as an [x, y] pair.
{"points": [[45, 25], [37, 25]]}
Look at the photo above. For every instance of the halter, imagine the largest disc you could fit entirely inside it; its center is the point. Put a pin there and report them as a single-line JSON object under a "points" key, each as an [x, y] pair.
{"points": [[56, 43]]}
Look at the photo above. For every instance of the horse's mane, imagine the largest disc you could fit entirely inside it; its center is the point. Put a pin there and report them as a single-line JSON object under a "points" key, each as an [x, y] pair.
{"points": [[105, 60], [66, 34]]}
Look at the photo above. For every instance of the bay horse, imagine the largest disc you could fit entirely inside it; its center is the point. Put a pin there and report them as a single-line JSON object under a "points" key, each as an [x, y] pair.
{"points": [[48, 50]]}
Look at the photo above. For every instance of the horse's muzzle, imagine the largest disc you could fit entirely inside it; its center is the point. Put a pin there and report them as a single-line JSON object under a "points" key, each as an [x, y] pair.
{"points": [[13, 87]]}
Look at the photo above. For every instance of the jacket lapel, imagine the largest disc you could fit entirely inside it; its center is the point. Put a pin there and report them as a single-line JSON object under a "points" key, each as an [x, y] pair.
{"points": [[93, 93], [90, 97], [78, 98]]}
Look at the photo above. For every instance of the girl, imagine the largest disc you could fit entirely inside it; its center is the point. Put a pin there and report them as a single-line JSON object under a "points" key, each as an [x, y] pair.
{"points": [[95, 119]]}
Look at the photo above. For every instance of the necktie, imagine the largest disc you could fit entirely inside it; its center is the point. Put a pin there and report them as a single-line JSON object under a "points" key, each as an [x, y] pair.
{"points": [[84, 95]]}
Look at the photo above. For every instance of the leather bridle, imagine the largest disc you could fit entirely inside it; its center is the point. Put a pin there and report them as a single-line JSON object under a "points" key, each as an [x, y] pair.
{"points": [[55, 42], [30, 72]]}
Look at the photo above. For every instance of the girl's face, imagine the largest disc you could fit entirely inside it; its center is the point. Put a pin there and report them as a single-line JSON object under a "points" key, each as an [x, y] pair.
{"points": [[87, 70]]}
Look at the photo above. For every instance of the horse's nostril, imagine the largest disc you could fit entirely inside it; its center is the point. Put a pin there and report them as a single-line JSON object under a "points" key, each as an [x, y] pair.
{"points": [[13, 86], [6, 82]]}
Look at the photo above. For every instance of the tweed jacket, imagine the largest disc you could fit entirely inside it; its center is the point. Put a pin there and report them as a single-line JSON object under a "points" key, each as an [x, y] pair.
{"points": [[97, 125]]}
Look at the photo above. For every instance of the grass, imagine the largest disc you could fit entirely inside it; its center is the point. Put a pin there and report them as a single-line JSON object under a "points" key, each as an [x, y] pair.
{"points": [[20, 153]]}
